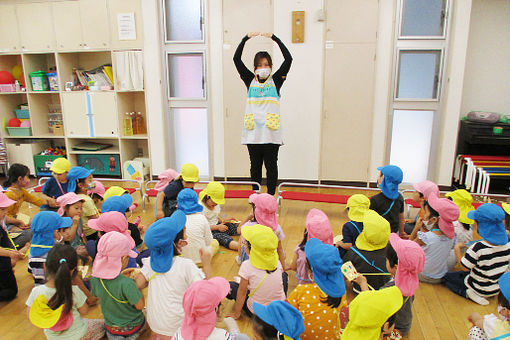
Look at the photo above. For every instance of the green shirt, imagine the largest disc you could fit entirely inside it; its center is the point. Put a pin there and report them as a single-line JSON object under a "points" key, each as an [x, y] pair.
{"points": [[115, 313]]}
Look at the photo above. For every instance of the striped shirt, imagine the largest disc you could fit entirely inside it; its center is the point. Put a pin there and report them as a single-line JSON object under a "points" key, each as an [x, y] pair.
{"points": [[487, 263]]}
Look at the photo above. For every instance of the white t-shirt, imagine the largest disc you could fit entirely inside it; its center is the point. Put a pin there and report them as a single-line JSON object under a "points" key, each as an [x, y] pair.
{"points": [[436, 248], [211, 215], [216, 334], [79, 327], [198, 232], [166, 290], [462, 234]]}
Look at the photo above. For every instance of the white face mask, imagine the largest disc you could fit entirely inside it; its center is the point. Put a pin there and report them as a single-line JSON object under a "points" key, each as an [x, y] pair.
{"points": [[499, 313], [428, 225], [263, 73]]}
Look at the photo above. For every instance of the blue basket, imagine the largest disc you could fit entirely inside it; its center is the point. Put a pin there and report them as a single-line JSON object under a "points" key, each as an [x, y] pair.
{"points": [[22, 114]]}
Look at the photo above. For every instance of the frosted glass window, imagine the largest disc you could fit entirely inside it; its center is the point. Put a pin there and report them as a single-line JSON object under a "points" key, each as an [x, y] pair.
{"points": [[418, 74], [191, 138], [410, 143], [183, 20], [186, 76], [423, 18]]}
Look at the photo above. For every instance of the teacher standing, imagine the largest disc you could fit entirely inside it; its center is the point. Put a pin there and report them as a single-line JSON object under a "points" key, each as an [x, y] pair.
{"points": [[262, 132]]}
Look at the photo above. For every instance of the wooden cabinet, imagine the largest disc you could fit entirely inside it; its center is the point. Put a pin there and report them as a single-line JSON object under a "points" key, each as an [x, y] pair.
{"points": [[74, 108], [9, 34], [35, 24], [104, 114], [67, 25]]}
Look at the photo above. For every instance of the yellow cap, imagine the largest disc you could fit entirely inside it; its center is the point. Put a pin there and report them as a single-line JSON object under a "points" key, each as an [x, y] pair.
{"points": [[114, 191], [189, 172], [375, 234], [369, 311], [263, 242], [41, 315], [216, 191], [506, 207], [358, 205], [463, 199], [60, 165]]}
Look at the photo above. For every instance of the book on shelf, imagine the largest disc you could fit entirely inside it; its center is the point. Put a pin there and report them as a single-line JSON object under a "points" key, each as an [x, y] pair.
{"points": [[102, 76]]}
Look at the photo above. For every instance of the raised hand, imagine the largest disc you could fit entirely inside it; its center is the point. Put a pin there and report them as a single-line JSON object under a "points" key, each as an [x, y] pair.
{"points": [[253, 34], [267, 35]]}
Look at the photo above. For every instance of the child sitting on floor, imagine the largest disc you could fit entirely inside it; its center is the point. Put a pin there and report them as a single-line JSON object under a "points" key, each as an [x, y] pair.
{"points": [[197, 228], [277, 321], [368, 255], [187, 179], [168, 275], [56, 185], [423, 191], [317, 226], [57, 306], [357, 206], [97, 194], [261, 276], [211, 198], [463, 232], [485, 261], [124, 205], [80, 182], [491, 326], [437, 237], [165, 178], [121, 300], [390, 203], [320, 302]]}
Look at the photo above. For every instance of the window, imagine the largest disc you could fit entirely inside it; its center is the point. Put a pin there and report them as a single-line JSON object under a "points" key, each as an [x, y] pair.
{"points": [[183, 20], [186, 75], [423, 18], [418, 74], [191, 131]]}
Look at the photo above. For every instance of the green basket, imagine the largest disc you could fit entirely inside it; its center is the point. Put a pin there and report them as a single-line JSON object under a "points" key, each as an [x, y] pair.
{"points": [[19, 131], [39, 81]]}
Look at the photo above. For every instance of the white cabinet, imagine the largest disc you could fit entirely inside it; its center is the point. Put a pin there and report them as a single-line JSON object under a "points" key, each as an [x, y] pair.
{"points": [[67, 25], [9, 34], [74, 109], [104, 114], [24, 153], [35, 24]]}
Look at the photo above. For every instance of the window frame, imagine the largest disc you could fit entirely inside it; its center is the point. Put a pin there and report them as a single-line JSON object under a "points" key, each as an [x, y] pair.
{"points": [[204, 81], [445, 14], [203, 25]]}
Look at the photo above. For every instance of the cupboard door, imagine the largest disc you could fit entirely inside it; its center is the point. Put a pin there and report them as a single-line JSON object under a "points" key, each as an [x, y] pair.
{"points": [[95, 25], [104, 114], [74, 109], [117, 7], [9, 35], [67, 25], [35, 24]]}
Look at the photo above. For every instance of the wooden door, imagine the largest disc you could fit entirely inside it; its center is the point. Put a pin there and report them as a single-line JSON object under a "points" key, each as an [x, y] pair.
{"points": [[95, 24], [74, 112], [104, 113], [9, 35], [67, 25], [35, 24], [258, 16], [349, 74]]}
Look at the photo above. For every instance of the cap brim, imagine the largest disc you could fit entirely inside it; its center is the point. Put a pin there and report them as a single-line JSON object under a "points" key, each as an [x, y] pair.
{"points": [[222, 285], [94, 224], [472, 214], [7, 203], [132, 254], [253, 198], [380, 168], [262, 312], [133, 207], [66, 222]]}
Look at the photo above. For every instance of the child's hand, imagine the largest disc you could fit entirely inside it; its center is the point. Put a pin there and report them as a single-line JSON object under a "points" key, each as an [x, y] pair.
{"points": [[403, 235], [160, 214], [251, 217], [205, 256], [222, 227], [267, 35], [253, 34], [21, 224], [460, 245], [361, 279], [16, 255], [235, 315], [52, 202], [76, 219]]}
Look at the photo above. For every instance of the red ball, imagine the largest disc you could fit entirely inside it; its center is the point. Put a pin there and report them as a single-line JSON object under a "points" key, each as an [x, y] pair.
{"points": [[14, 122], [6, 78]]}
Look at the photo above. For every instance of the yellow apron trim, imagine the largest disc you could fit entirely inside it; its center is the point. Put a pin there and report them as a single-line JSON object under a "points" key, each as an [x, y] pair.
{"points": [[113, 297], [258, 286], [262, 102]]}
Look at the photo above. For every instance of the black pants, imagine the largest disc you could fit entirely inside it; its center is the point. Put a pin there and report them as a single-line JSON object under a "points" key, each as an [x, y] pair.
{"points": [[267, 154], [8, 285]]}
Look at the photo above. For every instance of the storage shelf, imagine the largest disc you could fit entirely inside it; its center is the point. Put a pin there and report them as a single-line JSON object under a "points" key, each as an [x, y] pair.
{"points": [[135, 137], [34, 137], [43, 92], [13, 93], [100, 152], [128, 91]]}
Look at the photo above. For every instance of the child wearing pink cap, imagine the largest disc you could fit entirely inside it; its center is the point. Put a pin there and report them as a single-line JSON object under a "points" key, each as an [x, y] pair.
{"points": [[71, 206], [89, 210], [97, 194], [437, 237], [423, 191], [201, 304], [165, 178], [317, 226], [121, 300]]}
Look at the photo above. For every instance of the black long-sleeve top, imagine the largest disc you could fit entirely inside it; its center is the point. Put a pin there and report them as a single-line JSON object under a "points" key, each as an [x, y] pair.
{"points": [[247, 75]]}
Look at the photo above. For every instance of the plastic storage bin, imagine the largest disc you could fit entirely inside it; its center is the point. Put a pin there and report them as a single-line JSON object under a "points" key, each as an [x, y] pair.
{"points": [[22, 114], [7, 88], [53, 81], [103, 164], [39, 81], [19, 131]]}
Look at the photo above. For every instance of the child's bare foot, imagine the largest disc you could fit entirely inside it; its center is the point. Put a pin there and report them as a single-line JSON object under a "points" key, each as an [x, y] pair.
{"points": [[25, 248]]}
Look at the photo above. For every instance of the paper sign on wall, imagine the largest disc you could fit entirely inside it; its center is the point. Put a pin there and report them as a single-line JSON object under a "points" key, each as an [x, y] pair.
{"points": [[126, 26]]}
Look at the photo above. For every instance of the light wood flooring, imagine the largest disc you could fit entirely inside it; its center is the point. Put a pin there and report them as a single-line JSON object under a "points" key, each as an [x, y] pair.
{"points": [[438, 313]]}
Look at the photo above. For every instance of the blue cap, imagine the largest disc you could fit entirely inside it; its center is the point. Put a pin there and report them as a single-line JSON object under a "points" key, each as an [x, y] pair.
{"points": [[504, 285], [187, 201], [159, 238], [393, 176], [490, 223], [43, 226], [117, 203], [282, 316], [76, 173], [326, 267]]}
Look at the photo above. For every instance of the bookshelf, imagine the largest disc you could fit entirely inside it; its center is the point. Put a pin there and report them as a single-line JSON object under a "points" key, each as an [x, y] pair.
{"points": [[88, 116]]}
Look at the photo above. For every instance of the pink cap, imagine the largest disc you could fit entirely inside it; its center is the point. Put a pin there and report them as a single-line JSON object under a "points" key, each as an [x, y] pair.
{"points": [[427, 188], [5, 201], [111, 221], [165, 178], [199, 303], [99, 189], [67, 199], [411, 260], [318, 226], [448, 213], [110, 250], [265, 209]]}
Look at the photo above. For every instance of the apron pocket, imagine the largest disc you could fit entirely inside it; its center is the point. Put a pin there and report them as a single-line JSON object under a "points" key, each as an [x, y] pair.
{"points": [[249, 121], [272, 121]]}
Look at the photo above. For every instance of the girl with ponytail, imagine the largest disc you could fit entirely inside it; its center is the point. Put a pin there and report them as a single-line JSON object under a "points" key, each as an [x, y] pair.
{"points": [[57, 306]]}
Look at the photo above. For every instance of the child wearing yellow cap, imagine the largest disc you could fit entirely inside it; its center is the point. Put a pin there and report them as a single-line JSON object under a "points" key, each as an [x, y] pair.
{"points": [[357, 205], [56, 185], [187, 179]]}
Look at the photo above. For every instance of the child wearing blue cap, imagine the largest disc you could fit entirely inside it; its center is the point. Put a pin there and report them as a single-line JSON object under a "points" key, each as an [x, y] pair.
{"points": [[320, 302], [491, 326], [390, 203], [277, 321], [485, 261], [167, 274]]}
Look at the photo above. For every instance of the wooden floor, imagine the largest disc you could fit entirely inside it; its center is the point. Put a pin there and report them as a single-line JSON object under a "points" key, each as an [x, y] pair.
{"points": [[438, 313]]}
